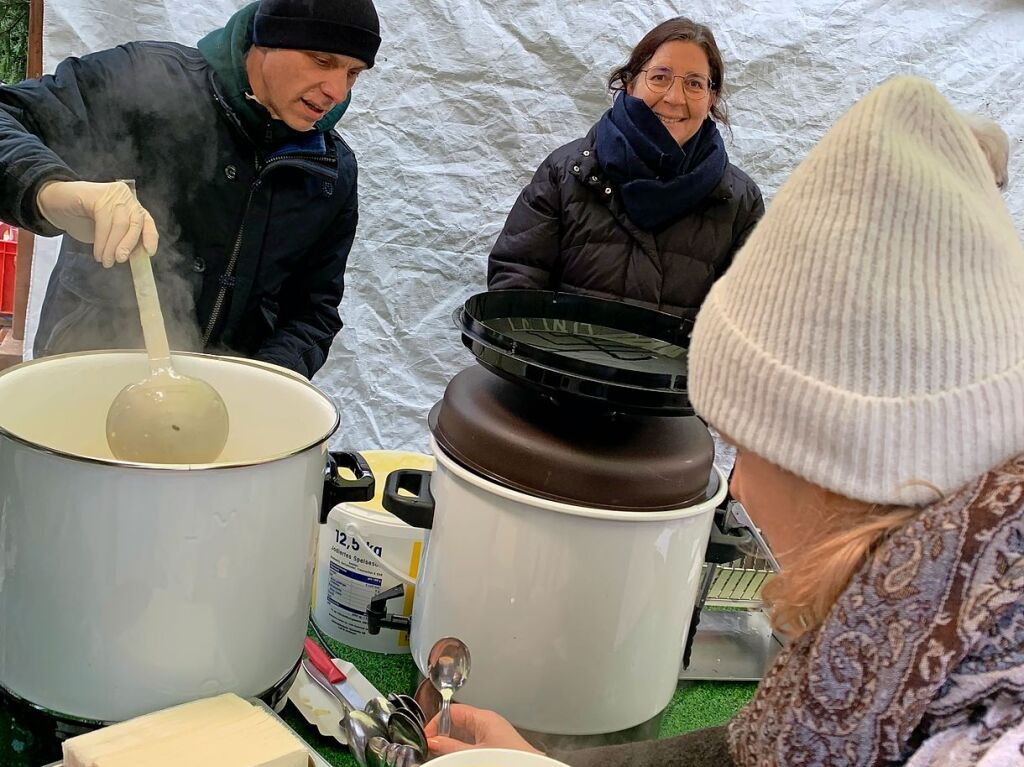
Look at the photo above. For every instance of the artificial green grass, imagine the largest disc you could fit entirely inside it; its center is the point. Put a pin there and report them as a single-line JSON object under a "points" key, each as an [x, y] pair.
{"points": [[704, 704]]}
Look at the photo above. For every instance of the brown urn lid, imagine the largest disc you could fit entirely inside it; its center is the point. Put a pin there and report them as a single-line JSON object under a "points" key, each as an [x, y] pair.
{"points": [[515, 437]]}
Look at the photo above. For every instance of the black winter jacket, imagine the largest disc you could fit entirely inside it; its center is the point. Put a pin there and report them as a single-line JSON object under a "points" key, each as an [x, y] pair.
{"points": [[253, 247], [569, 231]]}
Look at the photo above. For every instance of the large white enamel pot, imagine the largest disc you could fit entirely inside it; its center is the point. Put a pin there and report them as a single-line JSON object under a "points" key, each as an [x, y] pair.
{"points": [[125, 588], [576, 617]]}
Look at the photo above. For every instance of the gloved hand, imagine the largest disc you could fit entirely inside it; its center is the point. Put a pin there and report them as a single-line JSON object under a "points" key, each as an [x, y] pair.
{"points": [[107, 215], [475, 728]]}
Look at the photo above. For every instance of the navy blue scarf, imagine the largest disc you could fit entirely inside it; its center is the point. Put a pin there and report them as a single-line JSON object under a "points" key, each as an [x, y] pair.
{"points": [[658, 181]]}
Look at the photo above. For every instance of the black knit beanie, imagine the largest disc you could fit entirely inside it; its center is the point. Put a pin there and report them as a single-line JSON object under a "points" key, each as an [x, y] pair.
{"points": [[348, 27]]}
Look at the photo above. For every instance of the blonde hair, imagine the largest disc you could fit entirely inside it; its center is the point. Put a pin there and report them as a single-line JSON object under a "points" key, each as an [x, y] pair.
{"points": [[802, 595]]}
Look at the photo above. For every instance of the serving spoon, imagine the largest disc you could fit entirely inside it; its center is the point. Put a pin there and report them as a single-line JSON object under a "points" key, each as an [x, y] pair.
{"points": [[166, 417]]}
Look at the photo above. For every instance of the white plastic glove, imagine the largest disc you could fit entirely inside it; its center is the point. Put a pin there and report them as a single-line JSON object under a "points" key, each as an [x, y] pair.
{"points": [[107, 215]]}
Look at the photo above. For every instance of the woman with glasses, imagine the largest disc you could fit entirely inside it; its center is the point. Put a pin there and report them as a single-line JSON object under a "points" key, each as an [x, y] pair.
{"points": [[646, 207]]}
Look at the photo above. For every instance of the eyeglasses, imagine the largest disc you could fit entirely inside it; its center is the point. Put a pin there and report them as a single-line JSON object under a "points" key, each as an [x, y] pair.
{"points": [[660, 79]]}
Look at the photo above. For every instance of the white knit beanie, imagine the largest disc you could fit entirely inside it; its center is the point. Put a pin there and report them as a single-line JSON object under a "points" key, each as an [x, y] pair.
{"points": [[869, 337]]}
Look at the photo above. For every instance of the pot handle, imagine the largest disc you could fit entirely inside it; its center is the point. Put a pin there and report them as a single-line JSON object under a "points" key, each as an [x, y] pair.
{"points": [[417, 509], [354, 533], [337, 489]]}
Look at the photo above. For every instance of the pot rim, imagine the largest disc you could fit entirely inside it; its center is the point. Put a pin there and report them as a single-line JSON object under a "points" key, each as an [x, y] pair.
{"points": [[114, 462], [707, 504]]}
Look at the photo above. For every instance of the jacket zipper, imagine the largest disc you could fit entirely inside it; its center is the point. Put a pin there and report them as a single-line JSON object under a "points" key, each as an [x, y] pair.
{"points": [[227, 279], [229, 273], [321, 164]]}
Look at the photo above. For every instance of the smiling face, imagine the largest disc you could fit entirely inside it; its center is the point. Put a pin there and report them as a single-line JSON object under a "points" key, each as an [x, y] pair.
{"points": [[681, 113], [300, 87]]}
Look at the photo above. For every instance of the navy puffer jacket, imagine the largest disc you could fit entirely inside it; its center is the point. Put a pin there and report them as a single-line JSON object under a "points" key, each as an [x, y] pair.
{"points": [[569, 231]]}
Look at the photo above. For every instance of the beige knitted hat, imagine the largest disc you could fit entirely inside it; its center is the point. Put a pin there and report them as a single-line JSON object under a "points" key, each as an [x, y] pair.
{"points": [[870, 335]]}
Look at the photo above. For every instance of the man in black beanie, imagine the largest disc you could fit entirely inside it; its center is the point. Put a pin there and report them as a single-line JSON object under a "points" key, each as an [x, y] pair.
{"points": [[236, 163], [294, 41]]}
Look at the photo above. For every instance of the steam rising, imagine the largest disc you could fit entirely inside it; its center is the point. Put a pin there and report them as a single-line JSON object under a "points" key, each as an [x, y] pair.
{"points": [[175, 194]]}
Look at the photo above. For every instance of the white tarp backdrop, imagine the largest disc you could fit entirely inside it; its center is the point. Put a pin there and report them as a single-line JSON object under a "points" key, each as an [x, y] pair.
{"points": [[470, 95]]}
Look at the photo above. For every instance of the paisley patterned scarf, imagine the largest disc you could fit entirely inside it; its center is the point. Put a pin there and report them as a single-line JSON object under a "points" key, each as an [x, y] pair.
{"points": [[921, 661]]}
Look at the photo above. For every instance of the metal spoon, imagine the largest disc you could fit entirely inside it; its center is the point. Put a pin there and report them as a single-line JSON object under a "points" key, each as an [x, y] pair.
{"points": [[391, 755], [405, 728], [447, 668], [381, 709], [412, 757], [361, 727], [409, 704], [399, 755], [376, 748]]}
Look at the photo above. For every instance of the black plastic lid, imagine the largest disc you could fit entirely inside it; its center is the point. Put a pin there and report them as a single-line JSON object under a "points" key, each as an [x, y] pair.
{"points": [[612, 355]]}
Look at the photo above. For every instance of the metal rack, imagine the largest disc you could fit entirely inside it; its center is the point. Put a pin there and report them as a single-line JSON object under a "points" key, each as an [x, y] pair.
{"points": [[739, 583], [734, 640]]}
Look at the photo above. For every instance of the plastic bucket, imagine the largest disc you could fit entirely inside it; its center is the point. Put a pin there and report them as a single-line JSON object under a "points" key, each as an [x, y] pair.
{"points": [[362, 551]]}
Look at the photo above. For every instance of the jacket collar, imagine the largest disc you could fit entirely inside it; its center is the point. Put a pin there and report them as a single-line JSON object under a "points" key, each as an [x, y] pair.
{"points": [[315, 153]]}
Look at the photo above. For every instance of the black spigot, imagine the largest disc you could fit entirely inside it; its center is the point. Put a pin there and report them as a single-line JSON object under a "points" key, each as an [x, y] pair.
{"points": [[377, 616]]}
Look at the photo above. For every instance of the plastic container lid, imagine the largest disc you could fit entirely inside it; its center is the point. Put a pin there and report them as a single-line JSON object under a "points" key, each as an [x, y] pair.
{"points": [[548, 449], [612, 355]]}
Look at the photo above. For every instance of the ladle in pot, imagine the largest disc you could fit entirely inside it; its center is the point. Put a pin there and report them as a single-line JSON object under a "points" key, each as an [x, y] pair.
{"points": [[166, 417]]}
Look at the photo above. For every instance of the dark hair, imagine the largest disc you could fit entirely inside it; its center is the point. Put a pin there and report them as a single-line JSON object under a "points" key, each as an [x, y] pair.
{"points": [[679, 28]]}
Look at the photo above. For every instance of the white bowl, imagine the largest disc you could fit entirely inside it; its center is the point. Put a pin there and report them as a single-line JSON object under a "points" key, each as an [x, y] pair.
{"points": [[494, 757]]}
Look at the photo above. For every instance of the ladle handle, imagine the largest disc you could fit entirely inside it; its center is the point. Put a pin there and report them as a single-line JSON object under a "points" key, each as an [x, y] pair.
{"points": [[153, 331]]}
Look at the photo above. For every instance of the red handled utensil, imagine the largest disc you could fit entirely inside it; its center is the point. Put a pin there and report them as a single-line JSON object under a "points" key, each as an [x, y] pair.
{"points": [[333, 675]]}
